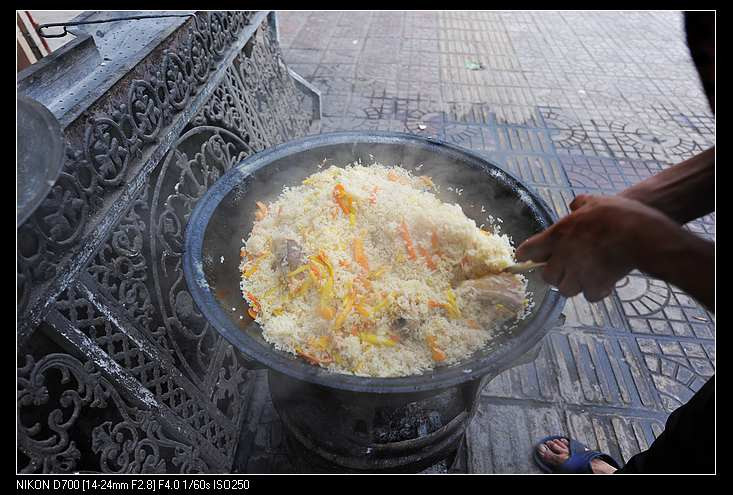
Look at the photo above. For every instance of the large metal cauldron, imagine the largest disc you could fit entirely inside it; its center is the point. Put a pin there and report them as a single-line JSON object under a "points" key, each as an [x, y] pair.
{"points": [[358, 423]]}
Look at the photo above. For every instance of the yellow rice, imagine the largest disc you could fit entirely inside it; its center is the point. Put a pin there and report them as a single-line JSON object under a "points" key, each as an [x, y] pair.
{"points": [[395, 313]]}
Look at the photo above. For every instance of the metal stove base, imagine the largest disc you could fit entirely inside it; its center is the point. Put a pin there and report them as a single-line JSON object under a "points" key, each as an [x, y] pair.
{"points": [[330, 430], [307, 461]]}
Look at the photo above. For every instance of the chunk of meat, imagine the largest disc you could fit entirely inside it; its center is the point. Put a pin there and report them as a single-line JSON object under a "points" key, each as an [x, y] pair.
{"points": [[403, 327], [289, 256], [294, 256], [398, 324], [502, 296]]}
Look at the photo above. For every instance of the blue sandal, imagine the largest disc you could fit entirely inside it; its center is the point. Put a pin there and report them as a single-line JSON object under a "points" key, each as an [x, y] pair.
{"points": [[579, 460]]}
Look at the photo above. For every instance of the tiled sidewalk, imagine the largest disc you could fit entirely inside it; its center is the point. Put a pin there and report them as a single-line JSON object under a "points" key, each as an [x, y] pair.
{"points": [[571, 103]]}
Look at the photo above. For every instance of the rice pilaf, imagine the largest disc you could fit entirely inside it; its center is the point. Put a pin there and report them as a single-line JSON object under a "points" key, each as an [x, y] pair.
{"points": [[359, 270]]}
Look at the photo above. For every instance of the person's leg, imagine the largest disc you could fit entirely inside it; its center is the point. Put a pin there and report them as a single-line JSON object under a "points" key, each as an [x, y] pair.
{"points": [[687, 444]]}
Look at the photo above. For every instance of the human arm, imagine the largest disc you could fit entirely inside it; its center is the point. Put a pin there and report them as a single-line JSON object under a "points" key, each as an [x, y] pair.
{"points": [[683, 192], [605, 237]]}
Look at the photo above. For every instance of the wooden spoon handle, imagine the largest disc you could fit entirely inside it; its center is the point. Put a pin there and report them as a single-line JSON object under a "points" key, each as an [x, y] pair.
{"points": [[524, 266]]}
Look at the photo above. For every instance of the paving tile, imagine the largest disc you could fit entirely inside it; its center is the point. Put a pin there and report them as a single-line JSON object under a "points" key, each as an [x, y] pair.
{"points": [[304, 56], [376, 70], [304, 69], [334, 70], [655, 307], [704, 226], [501, 437], [582, 368], [333, 86], [339, 56]]}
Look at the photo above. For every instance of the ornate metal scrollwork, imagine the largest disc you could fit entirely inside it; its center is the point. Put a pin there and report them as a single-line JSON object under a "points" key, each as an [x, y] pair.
{"points": [[226, 393], [131, 302], [125, 438], [201, 156], [146, 366], [100, 160], [131, 441], [107, 150], [121, 268], [230, 108], [146, 116]]}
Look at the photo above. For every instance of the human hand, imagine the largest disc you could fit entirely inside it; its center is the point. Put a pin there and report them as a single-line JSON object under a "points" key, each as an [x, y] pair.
{"points": [[597, 244]]}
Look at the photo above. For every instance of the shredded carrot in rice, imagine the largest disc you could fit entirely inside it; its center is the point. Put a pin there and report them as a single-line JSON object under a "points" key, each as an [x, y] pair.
{"points": [[408, 240], [437, 353], [373, 195], [432, 303], [314, 268], [359, 255], [428, 258], [257, 308], [261, 211], [313, 359], [435, 243], [343, 199]]}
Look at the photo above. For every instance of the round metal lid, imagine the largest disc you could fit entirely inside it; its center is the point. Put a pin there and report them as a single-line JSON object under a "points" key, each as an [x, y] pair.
{"points": [[40, 156]]}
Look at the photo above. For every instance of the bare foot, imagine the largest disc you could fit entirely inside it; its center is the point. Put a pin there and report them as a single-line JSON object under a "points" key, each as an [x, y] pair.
{"points": [[555, 452]]}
